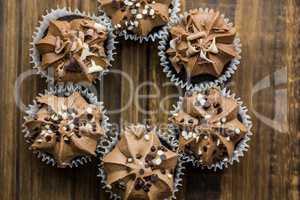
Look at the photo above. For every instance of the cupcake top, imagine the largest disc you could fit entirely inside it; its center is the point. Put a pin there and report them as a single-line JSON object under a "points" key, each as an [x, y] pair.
{"points": [[210, 126], [140, 167], [202, 44], [66, 128], [73, 49], [137, 16]]}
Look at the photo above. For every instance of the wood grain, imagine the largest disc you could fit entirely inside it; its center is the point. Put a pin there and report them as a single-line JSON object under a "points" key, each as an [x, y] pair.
{"points": [[267, 81]]}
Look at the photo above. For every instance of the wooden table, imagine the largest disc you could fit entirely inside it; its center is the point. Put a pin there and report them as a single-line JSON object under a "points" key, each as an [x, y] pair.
{"points": [[267, 82]]}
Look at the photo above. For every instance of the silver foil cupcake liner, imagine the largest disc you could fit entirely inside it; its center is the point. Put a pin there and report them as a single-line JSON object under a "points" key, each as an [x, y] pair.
{"points": [[106, 146], [156, 35], [171, 74], [54, 14], [67, 90], [242, 146]]}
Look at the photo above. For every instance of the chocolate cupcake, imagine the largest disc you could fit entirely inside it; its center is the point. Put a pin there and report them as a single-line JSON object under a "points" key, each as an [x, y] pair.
{"points": [[140, 19], [213, 127], [202, 48], [141, 167], [72, 47], [65, 130]]}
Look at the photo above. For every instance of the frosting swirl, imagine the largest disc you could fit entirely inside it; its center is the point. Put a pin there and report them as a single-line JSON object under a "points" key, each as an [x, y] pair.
{"points": [[140, 166], [64, 127], [210, 127], [202, 43], [73, 47], [137, 16]]}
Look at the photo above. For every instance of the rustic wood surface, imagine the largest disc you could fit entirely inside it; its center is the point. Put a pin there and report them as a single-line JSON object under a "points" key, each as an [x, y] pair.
{"points": [[267, 81]]}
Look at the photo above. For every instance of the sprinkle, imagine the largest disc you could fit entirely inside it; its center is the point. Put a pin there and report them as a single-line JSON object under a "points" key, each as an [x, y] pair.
{"points": [[194, 135], [200, 161], [88, 126], [138, 5], [130, 28], [147, 137], [206, 137], [223, 120], [157, 161], [139, 16], [108, 187], [147, 6], [145, 12], [219, 124], [129, 160], [218, 142], [228, 138], [237, 131], [151, 12], [136, 23], [153, 2], [134, 11], [72, 126], [207, 116], [160, 152], [89, 110], [170, 176], [225, 159], [200, 152]]}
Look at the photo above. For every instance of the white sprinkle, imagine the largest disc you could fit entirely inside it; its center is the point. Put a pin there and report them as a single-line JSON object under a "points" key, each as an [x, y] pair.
{"points": [[139, 16], [206, 137], [147, 6], [145, 12], [89, 110], [223, 120], [133, 11], [72, 126], [136, 23], [73, 115], [200, 152], [152, 12], [194, 135], [88, 126], [108, 187], [237, 131], [207, 116], [218, 142], [225, 159], [170, 176], [129, 160], [219, 124], [157, 161], [64, 107], [138, 5], [228, 138], [153, 2], [200, 161], [130, 28], [147, 137], [160, 152]]}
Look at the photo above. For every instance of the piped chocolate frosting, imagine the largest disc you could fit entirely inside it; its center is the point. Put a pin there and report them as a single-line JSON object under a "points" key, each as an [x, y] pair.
{"points": [[140, 166], [210, 126], [74, 49], [137, 16], [66, 128], [202, 44]]}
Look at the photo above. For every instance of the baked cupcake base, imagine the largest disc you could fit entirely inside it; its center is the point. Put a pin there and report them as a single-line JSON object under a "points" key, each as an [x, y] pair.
{"points": [[240, 148], [65, 91]]}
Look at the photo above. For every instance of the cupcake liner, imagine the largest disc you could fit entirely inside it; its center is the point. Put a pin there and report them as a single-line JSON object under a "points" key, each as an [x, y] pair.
{"points": [[171, 74], [66, 90], [54, 14], [242, 146], [106, 146], [153, 36]]}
